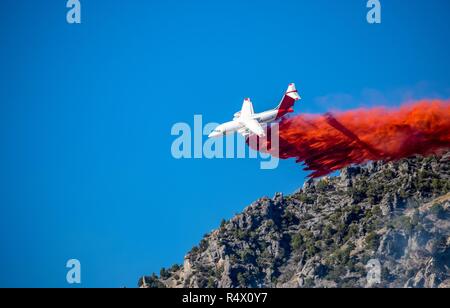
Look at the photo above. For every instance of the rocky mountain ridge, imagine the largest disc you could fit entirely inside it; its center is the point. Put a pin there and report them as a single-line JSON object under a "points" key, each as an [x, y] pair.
{"points": [[378, 225]]}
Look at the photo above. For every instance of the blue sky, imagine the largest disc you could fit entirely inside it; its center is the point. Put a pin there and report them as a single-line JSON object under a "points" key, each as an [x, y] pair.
{"points": [[86, 113]]}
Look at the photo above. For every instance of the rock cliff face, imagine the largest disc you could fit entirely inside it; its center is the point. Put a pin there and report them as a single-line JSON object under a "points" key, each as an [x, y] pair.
{"points": [[378, 225]]}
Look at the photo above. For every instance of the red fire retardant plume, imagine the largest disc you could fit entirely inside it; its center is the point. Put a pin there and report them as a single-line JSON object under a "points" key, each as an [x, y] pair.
{"points": [[326, 143]]}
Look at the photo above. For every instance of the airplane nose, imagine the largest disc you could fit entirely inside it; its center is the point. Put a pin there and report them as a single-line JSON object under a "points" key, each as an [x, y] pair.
{"points": [[218, 132]]}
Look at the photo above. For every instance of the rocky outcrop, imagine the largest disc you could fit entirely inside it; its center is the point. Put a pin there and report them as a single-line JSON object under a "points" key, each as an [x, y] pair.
{"points": [[378, 225]]}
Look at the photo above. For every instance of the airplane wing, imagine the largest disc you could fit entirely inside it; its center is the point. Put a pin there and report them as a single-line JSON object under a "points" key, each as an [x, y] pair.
{"points": [[253, 126], [247, 108]]}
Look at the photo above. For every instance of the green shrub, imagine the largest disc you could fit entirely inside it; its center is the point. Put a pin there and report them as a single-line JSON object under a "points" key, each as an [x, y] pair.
{"points": [[404, 223], [438, 210], [174, 268], [203, 244], [374, 192], [151, 282], [372, 241], [241, 234], [297, 242], [322, 185], [358, 193], [242, 279], [164, 274], [336, 273], [352, 231], [223, 224], [302, 197], [194, 250], [211, 283], [328, 231], [247, 255], [311, 250]]}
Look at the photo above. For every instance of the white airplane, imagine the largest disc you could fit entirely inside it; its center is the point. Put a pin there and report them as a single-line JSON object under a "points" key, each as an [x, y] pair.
{"points": [[247, 122]]}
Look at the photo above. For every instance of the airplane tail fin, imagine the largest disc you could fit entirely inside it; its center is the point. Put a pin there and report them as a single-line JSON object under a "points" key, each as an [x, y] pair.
{"points": [[288, 101]]}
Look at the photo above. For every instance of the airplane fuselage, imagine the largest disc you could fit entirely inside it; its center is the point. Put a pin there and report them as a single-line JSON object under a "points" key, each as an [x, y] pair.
{"points": [[237, 126]]}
